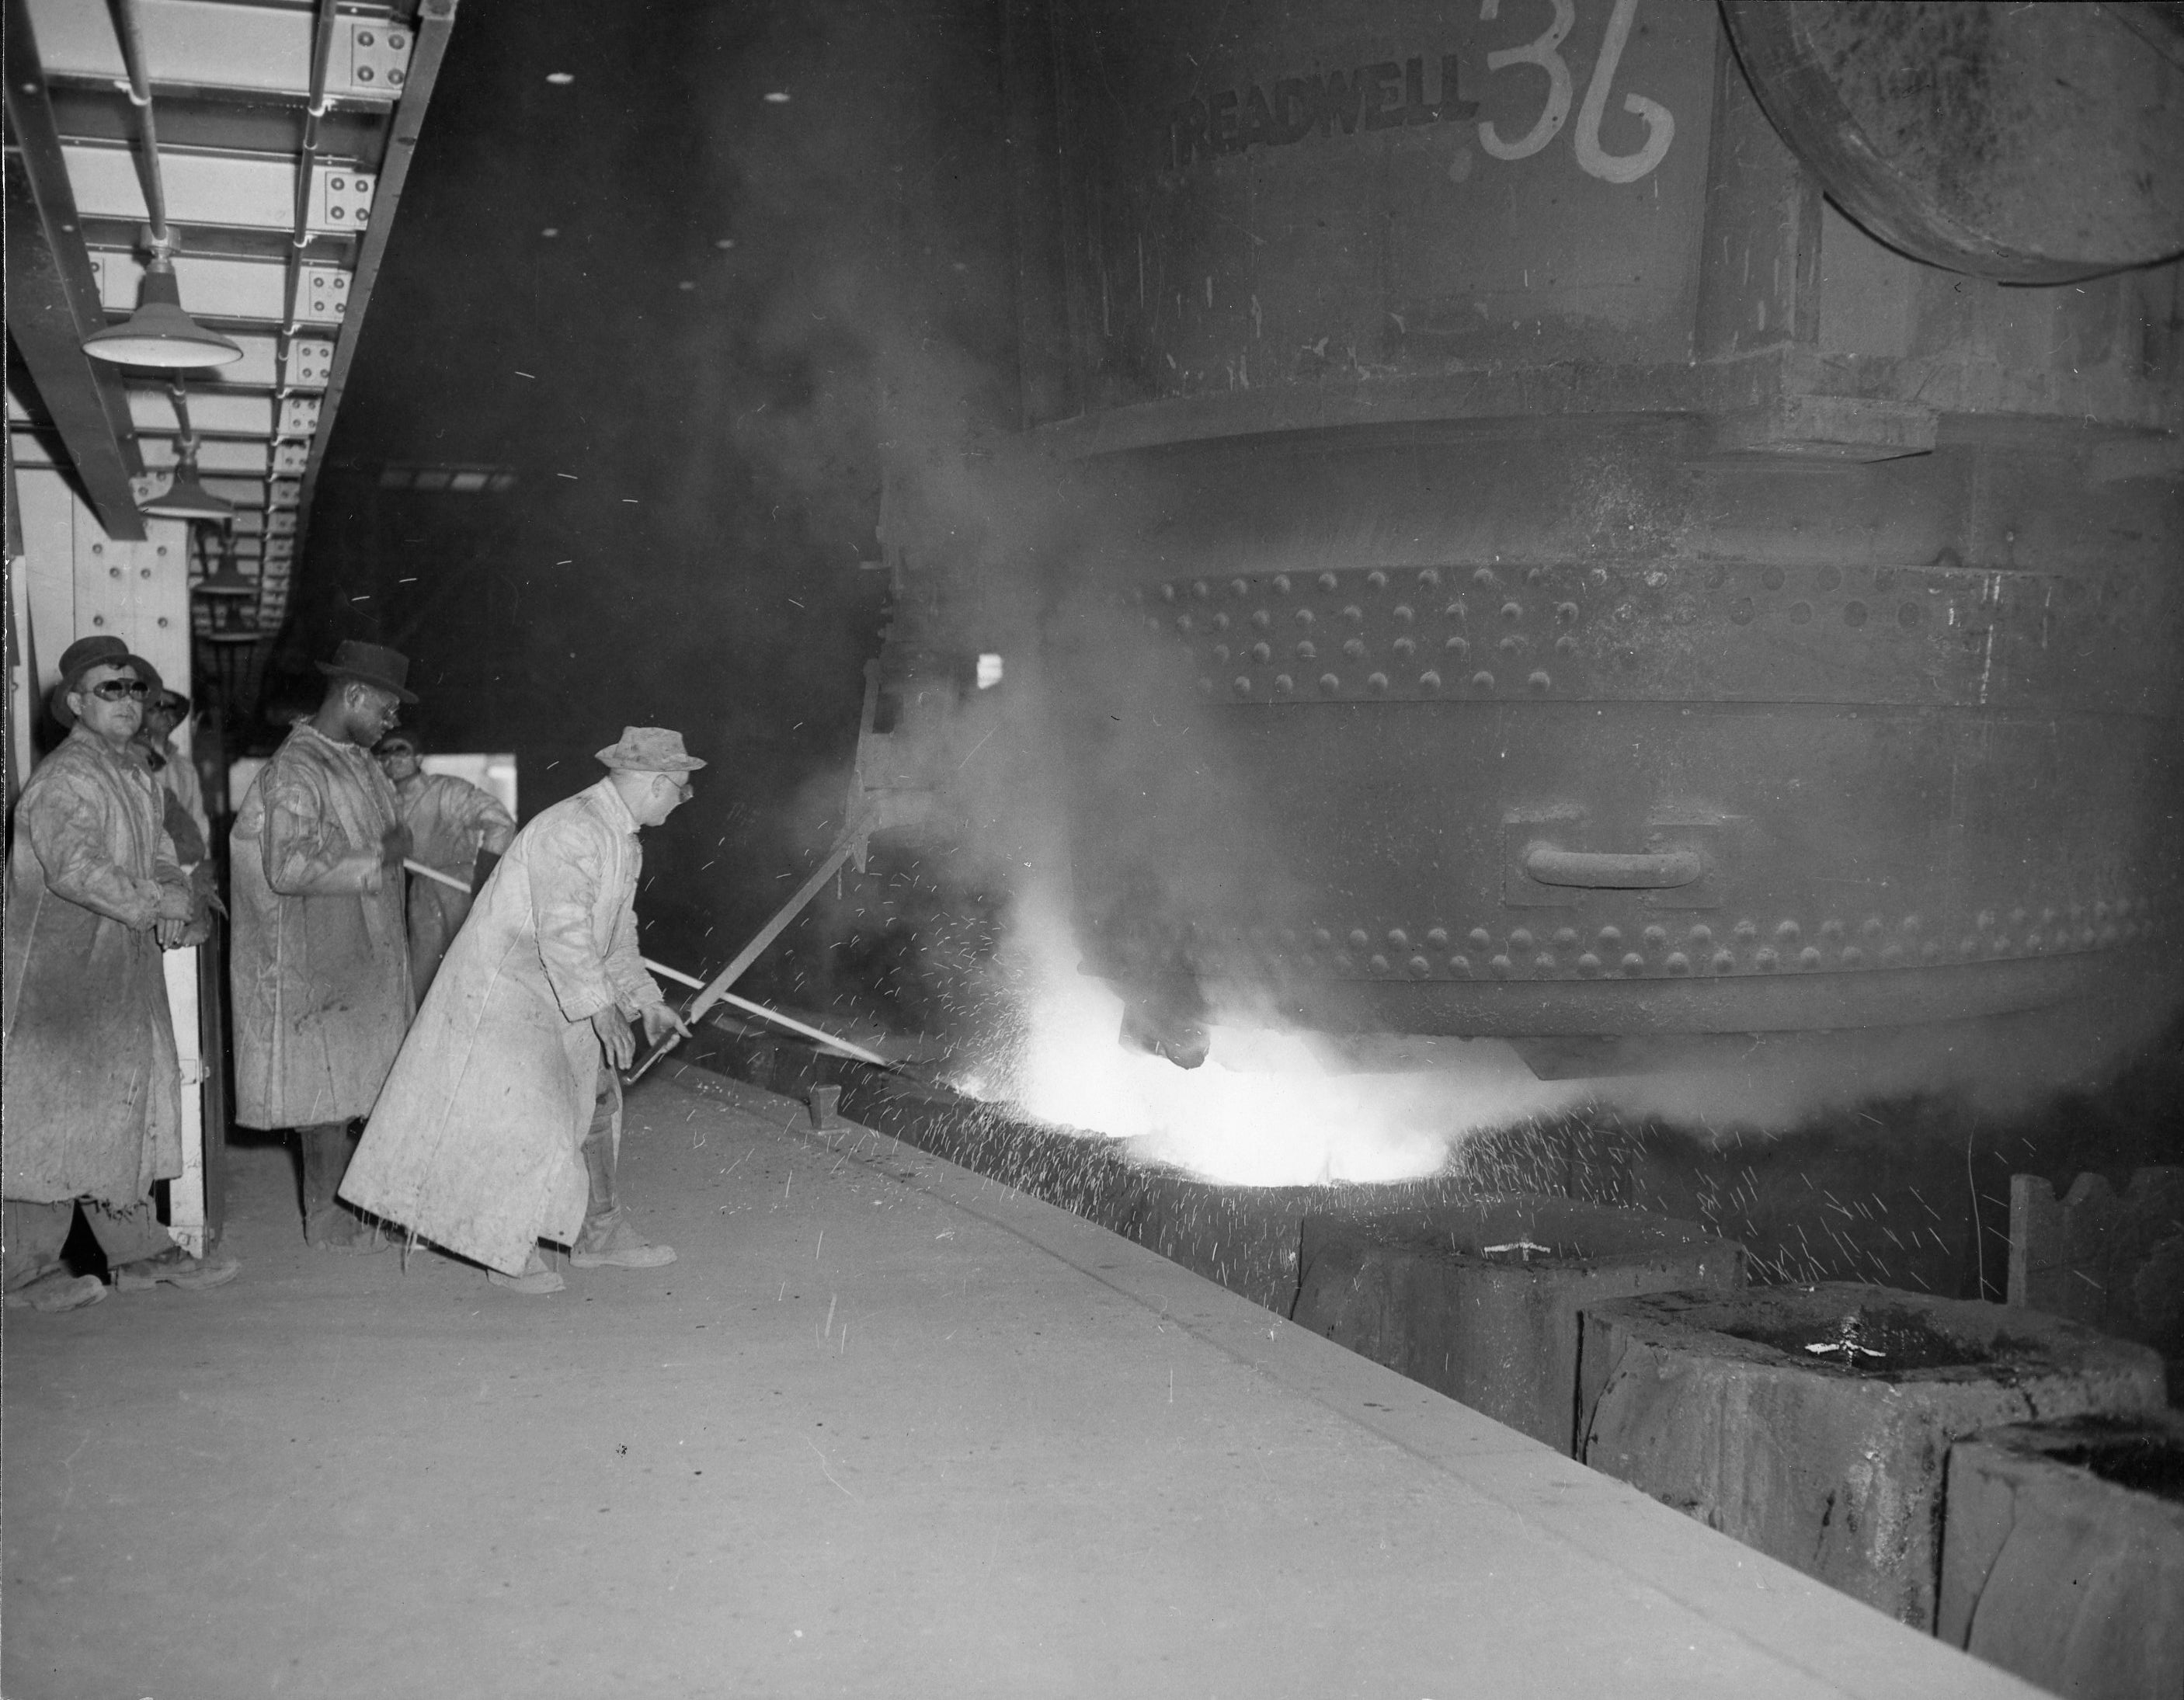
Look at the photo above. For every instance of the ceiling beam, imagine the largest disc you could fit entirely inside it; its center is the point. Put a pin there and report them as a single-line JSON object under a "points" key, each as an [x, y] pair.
{"points": [[436, 20], [52, 297]]}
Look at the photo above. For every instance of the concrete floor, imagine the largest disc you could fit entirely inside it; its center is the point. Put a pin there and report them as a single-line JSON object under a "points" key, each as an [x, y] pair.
{"points": [[884, 1430]]}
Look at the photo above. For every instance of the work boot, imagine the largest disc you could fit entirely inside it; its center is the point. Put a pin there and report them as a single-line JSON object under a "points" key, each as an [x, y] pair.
{"points": [[610, 1240], [337, 1227], [536, 1278], [58, 1291], [177, 1269], [607, 1239]]}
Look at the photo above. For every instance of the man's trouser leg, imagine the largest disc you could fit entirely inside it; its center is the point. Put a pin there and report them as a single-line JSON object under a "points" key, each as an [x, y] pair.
{"points": [[31, 1236], [602, 1144], [127, 1236], [326, 1149], [607, 1237]]}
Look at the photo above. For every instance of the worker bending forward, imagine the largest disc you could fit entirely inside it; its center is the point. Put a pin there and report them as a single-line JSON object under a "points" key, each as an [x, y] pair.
{"points": [[501, 1123]]}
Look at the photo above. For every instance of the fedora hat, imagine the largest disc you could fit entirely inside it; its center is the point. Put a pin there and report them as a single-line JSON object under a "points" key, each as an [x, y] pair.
{"points": [[87, 653], [372, 665], [649, 749]]}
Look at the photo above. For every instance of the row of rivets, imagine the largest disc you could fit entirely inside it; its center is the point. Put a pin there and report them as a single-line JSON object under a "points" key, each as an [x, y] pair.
{"points": [[1403, 614], [1741, 612], [1773, 579], [1966, 603], [1242, 686], [1458, 645], [1699, 947]]}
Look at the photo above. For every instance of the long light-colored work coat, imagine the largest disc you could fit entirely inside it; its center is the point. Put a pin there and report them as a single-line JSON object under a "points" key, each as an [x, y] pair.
{"points": [[450, 821], [321, 959], [93, 1095], [474, 1143]]}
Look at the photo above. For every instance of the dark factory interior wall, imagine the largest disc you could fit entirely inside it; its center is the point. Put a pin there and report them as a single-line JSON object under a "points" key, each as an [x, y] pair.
{"points": [[697, 323], [672, 307]]}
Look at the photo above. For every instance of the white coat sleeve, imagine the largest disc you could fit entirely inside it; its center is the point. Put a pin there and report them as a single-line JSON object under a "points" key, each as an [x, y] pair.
{"points": [[494, 826], [566, 865], [67, 823], [634, 988]]}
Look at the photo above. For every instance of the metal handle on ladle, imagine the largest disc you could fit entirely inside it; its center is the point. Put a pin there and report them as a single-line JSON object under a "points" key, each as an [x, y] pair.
{"points": [[1614, 870]]}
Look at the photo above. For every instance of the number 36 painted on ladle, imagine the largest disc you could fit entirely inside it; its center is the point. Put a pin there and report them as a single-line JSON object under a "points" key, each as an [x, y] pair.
{"points": [[1543, 51]]}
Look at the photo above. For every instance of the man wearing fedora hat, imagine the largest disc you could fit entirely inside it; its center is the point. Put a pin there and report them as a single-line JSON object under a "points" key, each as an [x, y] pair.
{"points": [[501, 1123], [93, 1089], [321, 959]]}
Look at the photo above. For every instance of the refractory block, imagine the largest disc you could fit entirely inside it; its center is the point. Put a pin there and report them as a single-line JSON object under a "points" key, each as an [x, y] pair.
{"points": [[1479, 1299], [1814, 1422], [2062, 1554]]}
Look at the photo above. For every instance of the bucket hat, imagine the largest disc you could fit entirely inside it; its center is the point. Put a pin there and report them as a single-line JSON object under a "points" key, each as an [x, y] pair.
{"points": [[649, 749]]}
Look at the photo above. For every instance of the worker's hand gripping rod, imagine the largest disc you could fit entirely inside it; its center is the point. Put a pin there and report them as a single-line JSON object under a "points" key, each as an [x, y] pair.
{"points": [[717, 991]]}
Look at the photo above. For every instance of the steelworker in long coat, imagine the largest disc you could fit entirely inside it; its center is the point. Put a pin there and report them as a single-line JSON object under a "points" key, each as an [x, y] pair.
{"points": [[321, 959], [501, 1123], [451, 823], [92, 1088]]}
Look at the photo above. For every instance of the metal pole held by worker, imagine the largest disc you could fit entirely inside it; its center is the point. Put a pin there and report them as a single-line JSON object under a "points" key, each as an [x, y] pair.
{"points": [[845, 847]]}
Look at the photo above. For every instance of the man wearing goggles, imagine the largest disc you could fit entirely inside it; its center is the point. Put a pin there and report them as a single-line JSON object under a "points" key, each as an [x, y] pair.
{"points": [[93, 1092], [187, 823]]}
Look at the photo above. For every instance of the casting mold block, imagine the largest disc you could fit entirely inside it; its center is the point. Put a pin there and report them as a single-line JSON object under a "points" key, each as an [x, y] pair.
{"points": [[1480, 1299], [2063, 1555], [1814, 1422]]}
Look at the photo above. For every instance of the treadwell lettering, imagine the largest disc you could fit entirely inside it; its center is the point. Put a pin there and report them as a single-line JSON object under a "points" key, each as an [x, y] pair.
{"points": [[1386, 95]]}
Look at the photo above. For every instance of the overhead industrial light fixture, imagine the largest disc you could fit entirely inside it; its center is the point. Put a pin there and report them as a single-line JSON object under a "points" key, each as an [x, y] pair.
{"points": [[185, 499], [159, 333], [232, 622], [228, 579]]}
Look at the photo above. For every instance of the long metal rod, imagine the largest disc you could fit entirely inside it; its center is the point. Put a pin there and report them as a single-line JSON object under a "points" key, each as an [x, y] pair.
{"points": [[299, 237], [131, 32], [852, 835], [322, 38], [692, 980], [774, 1016]]}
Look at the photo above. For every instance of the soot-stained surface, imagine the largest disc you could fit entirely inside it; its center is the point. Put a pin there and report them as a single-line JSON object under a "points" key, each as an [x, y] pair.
{"points": [[886, 1428]]}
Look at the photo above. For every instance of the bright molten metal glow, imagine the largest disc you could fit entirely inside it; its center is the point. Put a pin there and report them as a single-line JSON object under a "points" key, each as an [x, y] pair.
{"points": [[1264, 1110]]}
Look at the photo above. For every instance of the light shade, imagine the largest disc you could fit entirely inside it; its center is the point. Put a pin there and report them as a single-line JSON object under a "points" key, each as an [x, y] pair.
{"points": [[185, 499], [227, 580], [159, 333]]}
